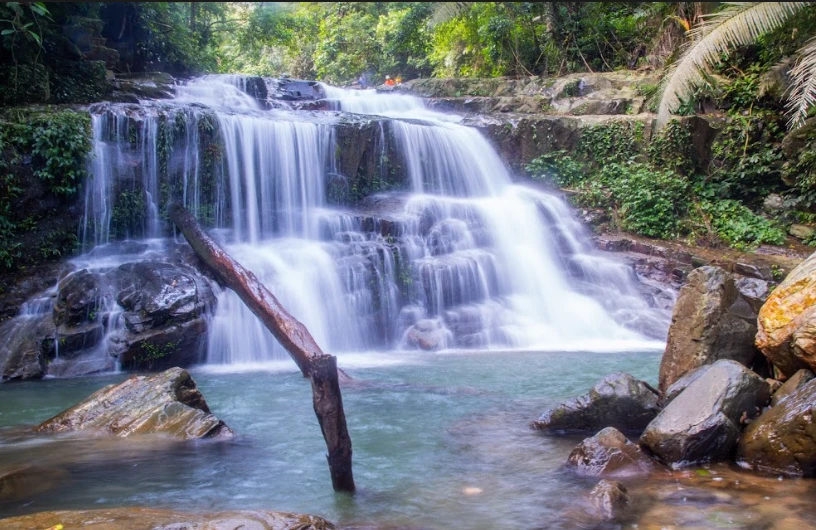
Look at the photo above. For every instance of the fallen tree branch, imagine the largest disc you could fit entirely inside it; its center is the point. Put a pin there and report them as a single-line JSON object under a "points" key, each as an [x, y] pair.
{"points": [[289, 331], [293, 336]]}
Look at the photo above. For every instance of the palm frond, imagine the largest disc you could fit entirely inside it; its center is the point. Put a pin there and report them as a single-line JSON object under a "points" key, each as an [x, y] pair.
{"points": [[803, 85], [738, 24], [445, 11]]}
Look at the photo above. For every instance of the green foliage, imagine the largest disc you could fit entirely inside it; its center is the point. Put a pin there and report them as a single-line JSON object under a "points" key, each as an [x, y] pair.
{"points": [[801, 171], [51, 146], [654, 190], [60, 143], [557, 167], [673, 148], [739, 227], [153, 352], [617, 141], [651, 202], [746, 156], [128, 215]]}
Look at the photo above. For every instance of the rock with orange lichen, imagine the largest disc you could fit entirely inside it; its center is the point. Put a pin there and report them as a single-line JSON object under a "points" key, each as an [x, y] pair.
{"points": [[787, 321]]}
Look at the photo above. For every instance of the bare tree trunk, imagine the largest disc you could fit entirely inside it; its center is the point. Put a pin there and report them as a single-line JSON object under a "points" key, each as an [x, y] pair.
{"points": [[293, 336], [328, 406]]}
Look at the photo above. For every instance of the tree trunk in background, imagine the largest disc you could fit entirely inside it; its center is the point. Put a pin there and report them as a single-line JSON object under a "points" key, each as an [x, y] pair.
{"points": [[193, 14], [293, 336]]}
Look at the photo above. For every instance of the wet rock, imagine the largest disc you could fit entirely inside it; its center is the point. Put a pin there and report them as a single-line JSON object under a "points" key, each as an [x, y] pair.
{"points": [[703, 422], [156, 292], [761, 272], [618, 400], [754, 290], [787, 321], [157, 349], [156, 519], [70, 341], [167, 403], [79, 297], [21, 350], [609, 453], [683, 383], [608, 501], [711, 321], [789, 387], [783, 439], [427, 334]]}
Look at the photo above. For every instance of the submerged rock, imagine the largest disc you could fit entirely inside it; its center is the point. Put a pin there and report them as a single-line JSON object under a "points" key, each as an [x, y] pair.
{"points": [[787, 321], [156, 519], [609, 453], [608, 501], [24, 481], [783, 439], [618, 400], [166, 403], [428, 335], [711, 321], [797, 381], [703, 422]]}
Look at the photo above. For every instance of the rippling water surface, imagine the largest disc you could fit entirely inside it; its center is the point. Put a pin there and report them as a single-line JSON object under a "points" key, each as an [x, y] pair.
{"points": [[440, 441]]}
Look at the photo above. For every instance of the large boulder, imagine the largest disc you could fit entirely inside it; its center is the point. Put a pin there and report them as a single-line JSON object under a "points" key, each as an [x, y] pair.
{"points": [[106, 519], [711, 321], [783, 439], [618, 400], [609, 453], [703, 423], [142, 315], [167, 403], [787, 321]]}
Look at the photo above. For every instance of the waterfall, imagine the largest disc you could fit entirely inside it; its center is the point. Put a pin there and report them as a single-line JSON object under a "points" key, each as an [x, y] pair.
{"points": [[464, 255]]}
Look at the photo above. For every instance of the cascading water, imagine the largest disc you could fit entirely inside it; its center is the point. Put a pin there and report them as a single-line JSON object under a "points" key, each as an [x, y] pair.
{"points": [[463, 258]]}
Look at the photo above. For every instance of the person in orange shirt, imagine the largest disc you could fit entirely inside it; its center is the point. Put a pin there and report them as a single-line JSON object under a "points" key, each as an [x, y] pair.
{"points": [[389, 81]]}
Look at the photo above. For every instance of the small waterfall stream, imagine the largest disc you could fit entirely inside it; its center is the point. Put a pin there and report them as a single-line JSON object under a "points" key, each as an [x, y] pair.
{"points": [[460, 257]]}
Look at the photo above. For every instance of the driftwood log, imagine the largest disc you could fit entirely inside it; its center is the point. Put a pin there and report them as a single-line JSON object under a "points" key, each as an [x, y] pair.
{"points": [[293, 336]]}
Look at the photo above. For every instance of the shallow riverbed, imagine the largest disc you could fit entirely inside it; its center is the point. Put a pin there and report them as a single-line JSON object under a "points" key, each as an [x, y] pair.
{"points": [[440, 441]]}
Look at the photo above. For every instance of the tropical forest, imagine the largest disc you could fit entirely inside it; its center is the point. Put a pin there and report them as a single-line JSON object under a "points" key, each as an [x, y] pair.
{"points": [[407, 265]]}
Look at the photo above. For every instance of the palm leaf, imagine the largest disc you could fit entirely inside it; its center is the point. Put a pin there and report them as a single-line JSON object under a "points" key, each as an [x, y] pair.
{"points": [[803, 85], [738, 24], [445, 11]]}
